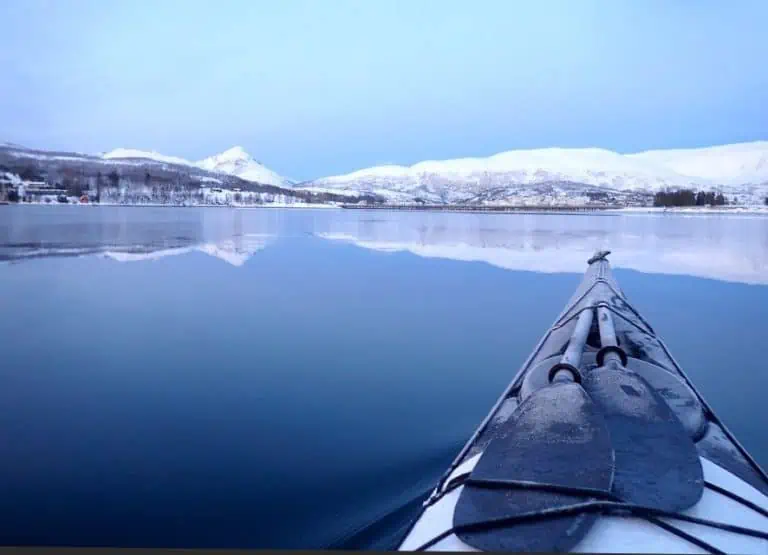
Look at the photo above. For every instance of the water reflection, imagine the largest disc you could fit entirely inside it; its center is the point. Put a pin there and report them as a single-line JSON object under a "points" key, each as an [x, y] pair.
{"points": [[235, 251], [725, 247], [167, 388], [132, 234]]}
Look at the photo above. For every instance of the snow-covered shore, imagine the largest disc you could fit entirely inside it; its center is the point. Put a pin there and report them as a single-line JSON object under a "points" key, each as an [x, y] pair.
{"points": [[688, 210], [298, 205], [694, 210]]}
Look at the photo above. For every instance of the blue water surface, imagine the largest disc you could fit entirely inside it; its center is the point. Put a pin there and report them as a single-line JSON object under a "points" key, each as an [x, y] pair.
{"points": [[282, 378]]}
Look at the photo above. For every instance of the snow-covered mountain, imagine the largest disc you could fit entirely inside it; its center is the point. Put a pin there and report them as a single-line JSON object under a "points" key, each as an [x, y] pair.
{"points": [[128, 176], [739, 168], [235, 161], [539, 176], [736, 164]]}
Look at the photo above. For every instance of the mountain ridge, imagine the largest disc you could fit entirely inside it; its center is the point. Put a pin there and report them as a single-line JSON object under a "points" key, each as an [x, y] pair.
{"points": [[734, 168], [130, 176], [233, 161], [528, 176]]}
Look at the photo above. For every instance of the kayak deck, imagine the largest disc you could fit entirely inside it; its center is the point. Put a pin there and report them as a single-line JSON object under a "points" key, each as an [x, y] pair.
{"points": [[734, 491]]}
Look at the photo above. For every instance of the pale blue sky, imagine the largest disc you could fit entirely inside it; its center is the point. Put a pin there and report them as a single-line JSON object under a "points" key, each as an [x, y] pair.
{"points": [[318, 87]]}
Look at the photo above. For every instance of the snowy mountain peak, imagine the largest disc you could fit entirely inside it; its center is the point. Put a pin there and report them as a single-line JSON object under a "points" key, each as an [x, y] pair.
{"points": [[235, 153], [234, 161]]}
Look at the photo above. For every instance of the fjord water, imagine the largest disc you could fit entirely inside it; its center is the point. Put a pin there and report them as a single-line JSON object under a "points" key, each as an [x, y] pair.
{"points": [[281, 378]]}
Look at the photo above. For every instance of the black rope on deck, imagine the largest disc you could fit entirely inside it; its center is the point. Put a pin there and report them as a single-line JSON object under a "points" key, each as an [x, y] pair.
{"points": [[609, 505], [611, 508], [746, 502]]}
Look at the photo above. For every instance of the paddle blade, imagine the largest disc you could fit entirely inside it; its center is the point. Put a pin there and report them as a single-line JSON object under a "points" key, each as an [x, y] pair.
{"points": [[555, 437], [657, 464]]}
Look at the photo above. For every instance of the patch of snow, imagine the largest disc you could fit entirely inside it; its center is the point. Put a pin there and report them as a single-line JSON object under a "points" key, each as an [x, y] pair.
{"points": [[42, 156], [327, 190], [136, 256], [14, 179], [130, 153], [302, 205]]}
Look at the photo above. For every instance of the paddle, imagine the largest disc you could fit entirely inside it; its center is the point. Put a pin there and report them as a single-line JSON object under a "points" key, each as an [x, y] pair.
{"points": [[656, 462], [557, 440]]}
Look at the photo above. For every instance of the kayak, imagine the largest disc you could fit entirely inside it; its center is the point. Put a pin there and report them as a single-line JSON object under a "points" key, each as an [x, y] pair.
{"points": [[600, 443]]}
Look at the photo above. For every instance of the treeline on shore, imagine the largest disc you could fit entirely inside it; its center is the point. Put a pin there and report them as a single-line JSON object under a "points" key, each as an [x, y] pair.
{"points": [[134, 184], [689, 197]]}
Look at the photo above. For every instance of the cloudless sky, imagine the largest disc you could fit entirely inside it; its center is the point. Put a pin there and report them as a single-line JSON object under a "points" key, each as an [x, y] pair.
{"points": [[320, 87]]}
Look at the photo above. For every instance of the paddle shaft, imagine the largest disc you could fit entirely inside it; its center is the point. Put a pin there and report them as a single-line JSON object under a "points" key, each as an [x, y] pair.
{"points": [[610, 353], [572, 355]]}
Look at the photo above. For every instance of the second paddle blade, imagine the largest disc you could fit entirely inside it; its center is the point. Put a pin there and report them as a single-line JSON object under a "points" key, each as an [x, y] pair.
{"points": [[556, 436], [657, 464]]}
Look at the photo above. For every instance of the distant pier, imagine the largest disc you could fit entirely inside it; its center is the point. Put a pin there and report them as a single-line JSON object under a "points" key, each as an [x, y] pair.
{"points": [[474, 208]]}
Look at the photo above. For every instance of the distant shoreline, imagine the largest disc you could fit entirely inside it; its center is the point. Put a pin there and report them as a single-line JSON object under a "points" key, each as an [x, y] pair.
{"points": [[563, 210], [735, 209], [297, 206]]}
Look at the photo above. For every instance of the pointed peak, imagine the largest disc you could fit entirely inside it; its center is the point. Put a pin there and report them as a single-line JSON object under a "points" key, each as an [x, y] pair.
{"points": [[236, 161], [234, 153]]}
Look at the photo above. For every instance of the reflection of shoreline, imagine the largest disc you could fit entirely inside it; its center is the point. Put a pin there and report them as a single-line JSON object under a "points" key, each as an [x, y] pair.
{"points": [[726, 247], [565, 254], [235, 251]]}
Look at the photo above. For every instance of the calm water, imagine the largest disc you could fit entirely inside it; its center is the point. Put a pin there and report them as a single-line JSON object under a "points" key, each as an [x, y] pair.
{"points": [[274, 378]]}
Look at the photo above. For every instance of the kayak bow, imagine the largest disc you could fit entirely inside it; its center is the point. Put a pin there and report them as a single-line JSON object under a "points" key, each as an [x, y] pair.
{"points": [[600, 443]]}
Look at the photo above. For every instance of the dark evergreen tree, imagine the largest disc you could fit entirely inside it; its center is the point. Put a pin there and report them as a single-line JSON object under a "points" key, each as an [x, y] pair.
{"points": [[30, 173], [687, 197], [114, 179], [99, 186]]}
